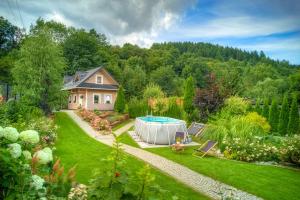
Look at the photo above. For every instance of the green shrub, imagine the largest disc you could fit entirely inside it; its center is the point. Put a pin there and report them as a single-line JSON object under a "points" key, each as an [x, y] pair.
{"points": [[274, 115], [293, 125], [284, 116], [153, 90], [137, 108], [235, 106], [120, 101], [174, 110]]}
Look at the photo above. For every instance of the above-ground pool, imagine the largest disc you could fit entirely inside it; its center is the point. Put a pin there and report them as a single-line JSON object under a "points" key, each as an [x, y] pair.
{"points": [[159, 130]]}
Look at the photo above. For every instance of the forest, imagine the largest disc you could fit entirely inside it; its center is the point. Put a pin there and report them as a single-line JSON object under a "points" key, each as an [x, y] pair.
{"points": [[219, 72]]}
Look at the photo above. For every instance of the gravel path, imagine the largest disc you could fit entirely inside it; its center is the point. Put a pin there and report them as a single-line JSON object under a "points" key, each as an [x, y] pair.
{"points": [[203, 184]]}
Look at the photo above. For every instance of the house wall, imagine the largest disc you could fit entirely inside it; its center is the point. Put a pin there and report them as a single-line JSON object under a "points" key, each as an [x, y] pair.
{"points": [[88, 94], [106, 78]]}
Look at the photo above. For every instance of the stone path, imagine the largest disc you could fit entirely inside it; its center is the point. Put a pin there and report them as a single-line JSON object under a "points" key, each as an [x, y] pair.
{"points": [[203, 184]]}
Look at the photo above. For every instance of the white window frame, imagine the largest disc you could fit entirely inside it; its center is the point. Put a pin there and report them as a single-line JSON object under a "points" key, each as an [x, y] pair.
{"points": [[70, 99], [99, 96], [75, 99], [96, 81], [111, 98]]}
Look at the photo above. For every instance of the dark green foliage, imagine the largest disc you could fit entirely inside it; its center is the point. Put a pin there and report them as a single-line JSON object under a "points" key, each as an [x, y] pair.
{"points": [[274, 115], [137, 108], [284, 116], [189, 94], [120, 101], [258, 106], [164, 77], [10, 36], [265, 111], [81, 50], [293, 125]]}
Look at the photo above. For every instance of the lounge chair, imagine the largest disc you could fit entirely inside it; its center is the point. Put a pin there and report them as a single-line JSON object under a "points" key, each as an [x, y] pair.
{"points": [[195, 129], [180, 137], [204, 149]]}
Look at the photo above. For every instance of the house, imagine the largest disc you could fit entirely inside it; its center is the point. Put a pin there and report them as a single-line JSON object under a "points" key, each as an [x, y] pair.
{"points": [[92, 89]]}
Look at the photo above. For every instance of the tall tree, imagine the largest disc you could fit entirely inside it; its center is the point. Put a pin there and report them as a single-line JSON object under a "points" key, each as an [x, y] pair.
{"points": [[10, 36], [265, 111], [38, 72], [189, 95], [164, 77], [293, 125], [81, 50], [284, 116], [120, 101], [274, 115]]}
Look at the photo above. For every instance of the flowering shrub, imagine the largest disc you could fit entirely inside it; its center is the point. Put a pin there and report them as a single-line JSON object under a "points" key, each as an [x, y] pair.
{"points": [[79, 192], [27, 155], [46, 128], [15, 150], [44, 156], [22, 176], [37, 182], [29, 136], [290, 150], [250, 150], [11, 134]]}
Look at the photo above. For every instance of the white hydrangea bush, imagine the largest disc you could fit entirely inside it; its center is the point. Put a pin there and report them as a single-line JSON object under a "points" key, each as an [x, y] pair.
{"points": [[30, 136], [27, 155], [15, 150], [44, 156], [10, 134], [37, 182]]}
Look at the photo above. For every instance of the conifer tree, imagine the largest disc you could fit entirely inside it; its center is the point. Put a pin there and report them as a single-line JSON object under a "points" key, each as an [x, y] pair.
{"points": [[265, 111], [188, 98], [293, 125], [120, 101], [257, 106], [284, 116], [274, 115]]}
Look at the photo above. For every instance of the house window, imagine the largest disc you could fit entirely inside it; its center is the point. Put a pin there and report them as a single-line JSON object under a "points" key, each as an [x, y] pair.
{"points": [[74, 98], [108, 98], [99, 79], [96, 98], [70, 99]]}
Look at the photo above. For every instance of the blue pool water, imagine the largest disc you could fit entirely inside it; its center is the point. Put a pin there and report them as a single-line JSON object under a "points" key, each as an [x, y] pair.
{"points": [[159, 119]]}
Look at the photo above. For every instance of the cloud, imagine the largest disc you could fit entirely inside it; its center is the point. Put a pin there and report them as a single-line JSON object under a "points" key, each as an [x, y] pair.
{"points": [[122, 21]]}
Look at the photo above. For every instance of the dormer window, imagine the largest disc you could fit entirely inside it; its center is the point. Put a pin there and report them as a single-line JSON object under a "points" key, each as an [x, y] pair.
{"points": [[99, 79]]}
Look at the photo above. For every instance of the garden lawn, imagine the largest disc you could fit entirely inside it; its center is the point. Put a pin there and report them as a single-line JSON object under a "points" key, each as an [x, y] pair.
{"points": [[75, 147], [268, 182], [126, 139]]}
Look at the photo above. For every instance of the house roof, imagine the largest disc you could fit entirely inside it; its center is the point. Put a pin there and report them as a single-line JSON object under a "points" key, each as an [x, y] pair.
{"points": [[77, 81]]}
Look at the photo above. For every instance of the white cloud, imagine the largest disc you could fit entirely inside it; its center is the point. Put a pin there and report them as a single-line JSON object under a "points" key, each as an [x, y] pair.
{"points": [[58, 17]]}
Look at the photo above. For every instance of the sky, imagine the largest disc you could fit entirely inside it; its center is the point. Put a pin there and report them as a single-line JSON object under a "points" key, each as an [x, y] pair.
{"points": [[272, 26]]}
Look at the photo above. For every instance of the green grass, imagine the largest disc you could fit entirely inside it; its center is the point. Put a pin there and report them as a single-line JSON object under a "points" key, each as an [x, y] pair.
{"points": [[268, 182], [74, 147], [126, 139]]}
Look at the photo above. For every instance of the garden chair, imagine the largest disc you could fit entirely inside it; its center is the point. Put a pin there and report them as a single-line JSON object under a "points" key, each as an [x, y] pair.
{"points": [[195, 129], [204, 149]]}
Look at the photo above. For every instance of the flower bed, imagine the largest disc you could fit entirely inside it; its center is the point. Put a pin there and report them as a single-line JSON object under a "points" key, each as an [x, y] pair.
{"points": [[102, 121], [257, 149]]}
